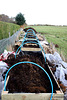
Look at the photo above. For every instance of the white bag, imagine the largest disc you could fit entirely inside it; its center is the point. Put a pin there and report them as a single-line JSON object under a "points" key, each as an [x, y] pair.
{"points": [[57, 57], [60, 74], [3, 68], [64, 64], [3, 64]]}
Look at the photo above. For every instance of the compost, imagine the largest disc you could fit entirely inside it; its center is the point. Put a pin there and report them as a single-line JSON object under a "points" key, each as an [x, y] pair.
{"points": [[30, 28], [28, 78]]}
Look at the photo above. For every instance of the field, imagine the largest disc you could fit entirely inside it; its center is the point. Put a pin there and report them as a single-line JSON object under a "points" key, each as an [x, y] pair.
{"points": [[5, 28], [55, 34]]}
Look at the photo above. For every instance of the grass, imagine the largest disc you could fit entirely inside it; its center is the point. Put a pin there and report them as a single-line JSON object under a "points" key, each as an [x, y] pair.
{"points": [[5, 28], [55, 34]]}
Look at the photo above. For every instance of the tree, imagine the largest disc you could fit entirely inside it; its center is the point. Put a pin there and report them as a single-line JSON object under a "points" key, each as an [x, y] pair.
{"points": [[20, 20]]}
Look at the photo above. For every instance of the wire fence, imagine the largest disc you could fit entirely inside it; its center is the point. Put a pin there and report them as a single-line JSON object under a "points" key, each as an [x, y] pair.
{"points": [[7, 42]]}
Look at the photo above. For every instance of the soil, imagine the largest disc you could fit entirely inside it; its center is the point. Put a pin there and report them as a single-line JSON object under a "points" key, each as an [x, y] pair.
{"points": [[56, 45], [30, 28], [28, 78], [31, 36], [15, 47]]}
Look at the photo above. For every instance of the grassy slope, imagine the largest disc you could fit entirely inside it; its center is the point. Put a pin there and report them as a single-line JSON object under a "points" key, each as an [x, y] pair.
{"points": [[5, 28], [55, 34]]}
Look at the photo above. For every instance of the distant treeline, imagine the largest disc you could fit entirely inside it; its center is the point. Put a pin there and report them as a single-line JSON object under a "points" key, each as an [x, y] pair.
{"points": [[46, 25], [6, 18]]}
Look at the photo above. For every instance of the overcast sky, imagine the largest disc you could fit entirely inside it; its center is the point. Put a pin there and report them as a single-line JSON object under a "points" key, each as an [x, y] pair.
{"points": [[37, 11]]}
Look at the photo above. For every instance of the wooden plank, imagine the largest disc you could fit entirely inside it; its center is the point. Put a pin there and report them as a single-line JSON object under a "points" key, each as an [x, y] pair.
{"points": [[4, 92], [6, 82], [30, 39], [53, 76], [30, 49], [58, 91], [31, 96], [55, 79], [59, 96]]}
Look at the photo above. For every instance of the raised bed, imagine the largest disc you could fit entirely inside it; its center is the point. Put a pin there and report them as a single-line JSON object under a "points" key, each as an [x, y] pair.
{"points": [[28, 82]]}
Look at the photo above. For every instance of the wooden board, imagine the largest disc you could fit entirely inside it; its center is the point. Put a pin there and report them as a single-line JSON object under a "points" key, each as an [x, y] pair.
{"points": [[30, 39], [30, 49], [31, 96]]}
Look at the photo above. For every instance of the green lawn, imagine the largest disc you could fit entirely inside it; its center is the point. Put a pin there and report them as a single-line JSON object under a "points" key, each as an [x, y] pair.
{"points": [[55, 34]]}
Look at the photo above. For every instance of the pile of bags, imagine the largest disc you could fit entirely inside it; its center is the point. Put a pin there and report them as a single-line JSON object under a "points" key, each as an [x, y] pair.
{"points": [[61, 67], [3, 65]]}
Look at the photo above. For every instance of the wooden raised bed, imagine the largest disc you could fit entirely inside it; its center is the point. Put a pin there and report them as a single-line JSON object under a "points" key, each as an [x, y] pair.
{"points": [[57, 95]]}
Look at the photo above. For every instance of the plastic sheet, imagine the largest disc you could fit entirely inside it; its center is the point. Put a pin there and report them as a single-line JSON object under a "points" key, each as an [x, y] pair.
{"points": [[5, 54], [60, 74], [44, 42], [61, 70], [3, 68]]}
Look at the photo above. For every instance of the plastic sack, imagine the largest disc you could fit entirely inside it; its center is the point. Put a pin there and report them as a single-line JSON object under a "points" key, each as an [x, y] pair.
{"points": [[64, 64], [60, 74], [1, 86], [57, 57], [5, 54], [1, 78], [64, 82], [57, 73], [3, 68], [50, 58], [44, 42], [3, 64]]}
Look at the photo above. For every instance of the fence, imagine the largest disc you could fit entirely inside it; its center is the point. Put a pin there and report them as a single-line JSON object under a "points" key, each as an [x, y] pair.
{"points": [[9, 42]]}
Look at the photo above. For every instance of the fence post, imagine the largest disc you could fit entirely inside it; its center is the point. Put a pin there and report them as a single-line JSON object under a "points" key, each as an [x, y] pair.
{"points": [[9, 34]]}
